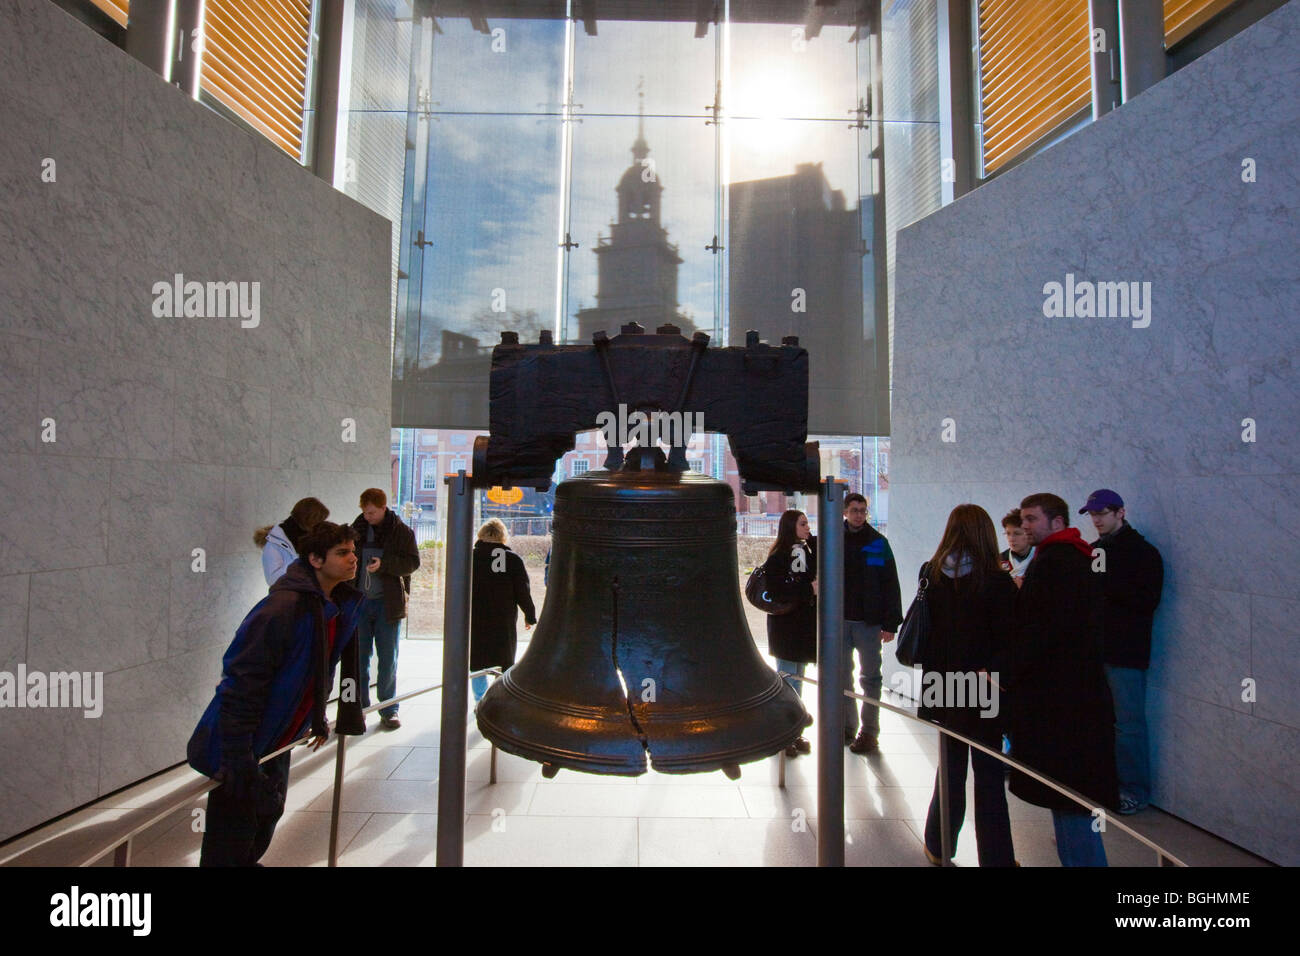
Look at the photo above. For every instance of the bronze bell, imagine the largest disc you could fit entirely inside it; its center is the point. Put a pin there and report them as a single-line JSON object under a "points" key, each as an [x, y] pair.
{"points": [[642, 648]]}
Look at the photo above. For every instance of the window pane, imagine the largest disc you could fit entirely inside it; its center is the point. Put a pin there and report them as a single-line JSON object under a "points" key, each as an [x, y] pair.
{"points": [[642, 212], [483, 250]]}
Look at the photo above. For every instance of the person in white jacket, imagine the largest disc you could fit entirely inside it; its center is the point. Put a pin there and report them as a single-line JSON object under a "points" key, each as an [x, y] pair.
{"points": [[279, 542]]}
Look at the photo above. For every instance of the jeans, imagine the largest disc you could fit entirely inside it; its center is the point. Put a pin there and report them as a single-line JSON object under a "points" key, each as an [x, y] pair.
{"points": [[865, 638], [479, 685], [992, 822], [790, 667], [375, 630], [1077, 843], [1128, 688], [237, 832]]}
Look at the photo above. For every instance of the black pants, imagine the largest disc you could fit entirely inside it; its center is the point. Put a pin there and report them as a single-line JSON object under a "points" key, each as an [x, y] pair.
{"points": [[238, 831], [992, 822]]}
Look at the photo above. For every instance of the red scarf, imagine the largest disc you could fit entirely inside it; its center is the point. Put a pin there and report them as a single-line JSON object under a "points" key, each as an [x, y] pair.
{"points": [[1069, 536]]}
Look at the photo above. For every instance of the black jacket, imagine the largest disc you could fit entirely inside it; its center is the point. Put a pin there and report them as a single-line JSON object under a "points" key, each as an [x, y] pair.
{"points": [[793, 636], [1059, 705], [400, 558], [494, 608], [969, 632], [1132, 582], [871, 591]]}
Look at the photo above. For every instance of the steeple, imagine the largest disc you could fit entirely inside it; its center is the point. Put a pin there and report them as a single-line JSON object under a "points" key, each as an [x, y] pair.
{"points": [[639, 189], [639, 149]]}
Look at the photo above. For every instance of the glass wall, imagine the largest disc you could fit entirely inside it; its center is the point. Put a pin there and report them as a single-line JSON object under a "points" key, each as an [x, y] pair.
{"points": [[546, 169], [574, 173]]}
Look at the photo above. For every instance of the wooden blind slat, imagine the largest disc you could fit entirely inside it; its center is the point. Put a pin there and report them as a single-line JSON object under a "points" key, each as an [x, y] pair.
{"points": [[117, 9], [1034, 71], [255, 62], [1184, 17], [271, 81]]}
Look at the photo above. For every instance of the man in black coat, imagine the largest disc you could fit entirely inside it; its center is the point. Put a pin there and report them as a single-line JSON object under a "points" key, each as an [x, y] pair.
{"points": [[500, 590], [873, 610], [1062, 721], [1133, 577], [388, 556]]}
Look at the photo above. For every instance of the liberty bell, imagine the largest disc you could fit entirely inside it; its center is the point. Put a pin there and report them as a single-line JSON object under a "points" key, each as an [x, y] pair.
{"points": [[642, 655], [642, 649]]}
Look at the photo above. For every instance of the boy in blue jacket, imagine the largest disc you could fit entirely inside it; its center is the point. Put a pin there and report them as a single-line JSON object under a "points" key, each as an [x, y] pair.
{"points": [[275, 679]]}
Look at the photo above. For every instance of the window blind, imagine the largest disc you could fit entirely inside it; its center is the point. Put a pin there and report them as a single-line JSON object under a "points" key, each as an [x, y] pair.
{"points": [[1183, 17], [1034, 72], [255, 62], [114, 8]]}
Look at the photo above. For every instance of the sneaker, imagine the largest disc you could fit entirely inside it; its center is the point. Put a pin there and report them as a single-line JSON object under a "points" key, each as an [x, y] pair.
{"points": [[803, 746], [792, 751], [1128, 806], [863, 744], [390, 723], [932, 857]]}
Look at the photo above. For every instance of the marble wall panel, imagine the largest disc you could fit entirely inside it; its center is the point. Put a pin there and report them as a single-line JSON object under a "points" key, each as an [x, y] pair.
{"points": [[49, 56], [1253, 519], [206, 607], [20, 427], [175, 432], [1151, 192], [221, 421], [163, 510], [13, 620], [1274, 660], [97, 618], [127, 405], [71, 497], [1237, 771], [150, 712], [254, 497], [51, 760], [1192, 657]]}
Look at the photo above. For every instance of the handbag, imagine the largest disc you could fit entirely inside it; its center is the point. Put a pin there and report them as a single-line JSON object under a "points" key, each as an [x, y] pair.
{"points": [[915, 632], [757, 594]]}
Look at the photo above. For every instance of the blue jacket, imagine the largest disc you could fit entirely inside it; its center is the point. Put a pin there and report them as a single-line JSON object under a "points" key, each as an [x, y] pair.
{"points": [[268, 670]]}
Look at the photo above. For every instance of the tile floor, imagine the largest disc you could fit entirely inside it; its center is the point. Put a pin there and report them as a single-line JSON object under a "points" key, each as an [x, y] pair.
{"points": [[389, 808]]}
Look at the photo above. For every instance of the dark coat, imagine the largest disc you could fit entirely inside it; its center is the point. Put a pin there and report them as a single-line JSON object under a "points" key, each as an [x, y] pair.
{"points": [[400, 559], [1132, 582], [271, 665], [871, 591], [498, 596], [1059, 704], [793, 636], [969, 632]]}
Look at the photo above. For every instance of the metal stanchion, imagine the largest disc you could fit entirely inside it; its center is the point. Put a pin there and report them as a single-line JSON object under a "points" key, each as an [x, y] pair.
{"points": [[455, 673], [340, 749], [830, 674], [945, 813]]}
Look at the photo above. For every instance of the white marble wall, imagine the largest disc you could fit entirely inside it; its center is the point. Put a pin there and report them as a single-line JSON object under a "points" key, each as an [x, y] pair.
{"points": [[1153, 192], [171, 434]]}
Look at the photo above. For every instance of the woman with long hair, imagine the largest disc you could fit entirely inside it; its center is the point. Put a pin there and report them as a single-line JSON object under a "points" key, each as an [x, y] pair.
{"points": [[279, 542], [791, 570], [971, 600]]}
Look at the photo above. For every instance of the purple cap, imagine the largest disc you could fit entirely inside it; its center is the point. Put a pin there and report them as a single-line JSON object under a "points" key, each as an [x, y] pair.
{"points": [[1100, 500]]}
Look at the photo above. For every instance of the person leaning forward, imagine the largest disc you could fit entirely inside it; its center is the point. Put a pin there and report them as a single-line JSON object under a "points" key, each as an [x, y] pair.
{"points": [[274, 681]]}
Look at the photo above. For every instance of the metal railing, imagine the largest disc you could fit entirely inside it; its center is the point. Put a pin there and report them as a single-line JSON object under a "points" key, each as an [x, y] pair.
{"points": [[119, 844], [1162, 855], [114, 840]]}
